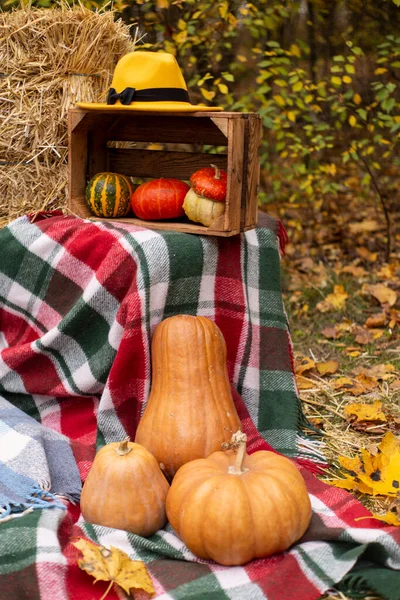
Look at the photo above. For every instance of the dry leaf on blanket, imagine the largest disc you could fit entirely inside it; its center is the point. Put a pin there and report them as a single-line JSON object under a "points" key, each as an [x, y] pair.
{"points": [[374, 473], [115, 566]]}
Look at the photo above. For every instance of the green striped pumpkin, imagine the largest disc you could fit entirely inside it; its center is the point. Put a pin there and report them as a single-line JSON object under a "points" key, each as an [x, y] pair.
{"points": [[109, 195]]}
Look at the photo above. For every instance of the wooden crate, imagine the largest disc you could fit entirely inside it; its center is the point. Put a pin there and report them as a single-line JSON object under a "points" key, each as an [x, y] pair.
{"points": [[90, 132]]}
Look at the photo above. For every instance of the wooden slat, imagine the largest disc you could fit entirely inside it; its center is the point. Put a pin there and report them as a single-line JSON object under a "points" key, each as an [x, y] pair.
{"points": [[250, 212], [155, 163], [79, 208], [167, 129], [145, 127]]}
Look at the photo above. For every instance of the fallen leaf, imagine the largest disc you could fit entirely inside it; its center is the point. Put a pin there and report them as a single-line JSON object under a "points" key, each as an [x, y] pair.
{"points": [[113, 565], [365, 412], [305, 264], [349, 385], [392, 518], [386, 272], [366, 254], [331, 333], [382, 371], [369, 382], [368, 418], [345, 326], [361, 384], [394, 316], [334, 301], [364, 336], [356, 271], [377, 333], [303, 364], [384, 294], [378, 320], [366, 226], [353, 353], [303, 383], [375, 475], [327, 368], [318, 423]]}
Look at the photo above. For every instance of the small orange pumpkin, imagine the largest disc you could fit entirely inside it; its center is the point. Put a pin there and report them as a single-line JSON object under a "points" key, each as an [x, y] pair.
{"points": [[125, 489], [232, 508]]}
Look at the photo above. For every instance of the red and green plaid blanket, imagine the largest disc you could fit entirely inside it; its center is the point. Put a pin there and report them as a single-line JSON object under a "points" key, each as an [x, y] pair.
{"points": [[78, 303]]}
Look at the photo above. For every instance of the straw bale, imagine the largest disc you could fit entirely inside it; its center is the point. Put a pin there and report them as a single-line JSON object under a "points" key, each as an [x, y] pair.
{"points": [[50, 59], [31, 189]]}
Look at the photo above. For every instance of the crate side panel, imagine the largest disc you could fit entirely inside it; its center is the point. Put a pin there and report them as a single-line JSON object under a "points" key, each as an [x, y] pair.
{"points": [[250, 209], [77, 205], [77, 164], [236, 137]]}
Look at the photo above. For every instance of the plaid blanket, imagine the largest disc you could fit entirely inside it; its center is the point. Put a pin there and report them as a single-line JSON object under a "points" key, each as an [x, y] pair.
{"points": [[79, 302], [36, 465]]}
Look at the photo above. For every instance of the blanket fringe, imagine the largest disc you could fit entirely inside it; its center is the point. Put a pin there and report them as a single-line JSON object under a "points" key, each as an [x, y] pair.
{"points": [[310, 454], [37, 498]]}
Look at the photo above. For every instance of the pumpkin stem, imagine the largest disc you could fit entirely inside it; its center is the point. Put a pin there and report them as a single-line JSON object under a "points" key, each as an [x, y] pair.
{"points": [[217, 174], [238, 442], [123, 447]]}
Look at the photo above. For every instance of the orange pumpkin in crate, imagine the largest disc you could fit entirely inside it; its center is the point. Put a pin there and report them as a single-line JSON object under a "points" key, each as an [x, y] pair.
{"points": [[159, 199]]}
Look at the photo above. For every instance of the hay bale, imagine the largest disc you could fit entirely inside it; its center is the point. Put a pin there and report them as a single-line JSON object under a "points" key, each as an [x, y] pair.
{"points": [[50, 59]]}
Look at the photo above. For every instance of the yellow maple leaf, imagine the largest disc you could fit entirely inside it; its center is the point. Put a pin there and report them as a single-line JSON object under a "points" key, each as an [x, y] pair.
{"points": [[366, 412], [376, 474], [115, 566], [334, 301]]}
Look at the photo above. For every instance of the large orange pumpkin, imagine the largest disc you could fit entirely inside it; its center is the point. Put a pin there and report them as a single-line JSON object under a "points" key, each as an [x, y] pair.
{"points": [[232, 508], [125, 489], [190, 410]]}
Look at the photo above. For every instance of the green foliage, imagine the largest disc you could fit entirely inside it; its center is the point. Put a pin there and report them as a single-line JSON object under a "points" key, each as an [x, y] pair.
{"points": [[316, 128]]}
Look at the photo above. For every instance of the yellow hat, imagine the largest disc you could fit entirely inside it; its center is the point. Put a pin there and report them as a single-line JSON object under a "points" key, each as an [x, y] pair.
{"points": [[148, 81]]}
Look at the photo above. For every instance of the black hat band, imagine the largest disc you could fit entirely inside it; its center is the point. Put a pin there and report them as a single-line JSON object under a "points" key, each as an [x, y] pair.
{"points": [[130, 94]]}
